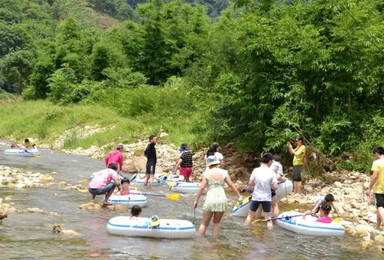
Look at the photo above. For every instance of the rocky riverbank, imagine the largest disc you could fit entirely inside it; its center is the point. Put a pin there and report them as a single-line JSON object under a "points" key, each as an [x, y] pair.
{"points": [[358, 213]]}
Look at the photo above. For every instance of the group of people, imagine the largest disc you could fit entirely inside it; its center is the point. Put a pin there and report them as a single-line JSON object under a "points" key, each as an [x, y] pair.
{"points": [[264, 180], [27, 145]]}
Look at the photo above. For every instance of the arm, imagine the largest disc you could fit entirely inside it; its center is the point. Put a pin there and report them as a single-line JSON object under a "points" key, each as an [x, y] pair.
{"points": [[316, 207], [121, 162], [106, 160], [177, 164], [335, 209], [292, 151], [232, 186], [202, 187], [158, 135], [373, 181], [117, 182], [274, 185]]}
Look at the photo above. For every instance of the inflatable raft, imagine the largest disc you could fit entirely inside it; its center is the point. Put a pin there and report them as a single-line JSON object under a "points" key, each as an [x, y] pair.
{"points": [[22, 152], [139, 178], [184, 187], [141, 227], [308, 226], [129, 200], [242, 210]]}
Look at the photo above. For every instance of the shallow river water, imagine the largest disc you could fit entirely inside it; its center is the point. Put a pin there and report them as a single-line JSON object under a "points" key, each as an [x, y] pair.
{"points": [[30, 236]]}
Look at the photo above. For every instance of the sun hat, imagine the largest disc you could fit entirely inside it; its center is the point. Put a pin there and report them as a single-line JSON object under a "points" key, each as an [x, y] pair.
{"points": [[183, 147], [212, 160]]}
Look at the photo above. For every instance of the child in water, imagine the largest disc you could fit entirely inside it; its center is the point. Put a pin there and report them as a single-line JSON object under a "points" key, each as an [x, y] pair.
{"points": [[125, 187], [135, 212], [324, 214], [327, 200]]}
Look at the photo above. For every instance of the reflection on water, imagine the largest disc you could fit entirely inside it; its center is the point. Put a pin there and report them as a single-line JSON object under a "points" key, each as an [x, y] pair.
{"points": [[26, 235]]}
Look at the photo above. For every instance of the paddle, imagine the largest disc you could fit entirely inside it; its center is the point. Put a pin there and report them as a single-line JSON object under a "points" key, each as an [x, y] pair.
{"points": [[35, 155], [169, 196], [134, 177], [286, 218]]}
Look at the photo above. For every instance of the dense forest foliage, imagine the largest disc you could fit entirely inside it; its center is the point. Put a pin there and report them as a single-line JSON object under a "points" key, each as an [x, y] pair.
{"points": [[256, 74]]}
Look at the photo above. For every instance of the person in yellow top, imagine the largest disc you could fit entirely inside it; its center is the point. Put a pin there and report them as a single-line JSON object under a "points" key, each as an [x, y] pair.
{"points": [[377, 183], [299, 154]]}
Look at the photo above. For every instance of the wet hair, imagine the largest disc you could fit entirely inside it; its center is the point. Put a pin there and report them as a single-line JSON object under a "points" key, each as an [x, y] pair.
{"points": [[379, 150], [276, 157], [112, 166], [26, 140], [212, 149], [135, 210], [326, 208], [125, 180], [329, 197], [151, 137], [267, 157]]}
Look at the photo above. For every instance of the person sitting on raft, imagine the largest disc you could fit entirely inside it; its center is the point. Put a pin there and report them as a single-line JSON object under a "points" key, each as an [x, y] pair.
{"points": [[125, 187], [327, 200], [324, 214], [135, 212]]}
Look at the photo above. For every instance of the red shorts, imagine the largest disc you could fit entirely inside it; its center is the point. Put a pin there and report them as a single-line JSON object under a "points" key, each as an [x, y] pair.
{"points": [[186, 172]]}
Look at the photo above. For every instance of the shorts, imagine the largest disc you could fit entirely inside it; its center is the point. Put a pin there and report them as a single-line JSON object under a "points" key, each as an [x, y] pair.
{"points": [[186, 172], [150, 168], [110, 186], [379, 200], [297, 172], [273, 193], [265, 204]]}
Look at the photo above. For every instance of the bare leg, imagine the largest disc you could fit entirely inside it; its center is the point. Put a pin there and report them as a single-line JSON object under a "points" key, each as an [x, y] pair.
{"points": [[107, 197], [146, 179], [151, 178], [275, 207], [251, 215], [205, 222], [216, 224], [297, 187], [380, 217], [269, 223], [258, 212]]}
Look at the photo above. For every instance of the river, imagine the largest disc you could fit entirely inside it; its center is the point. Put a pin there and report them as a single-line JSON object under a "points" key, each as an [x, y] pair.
{"points": [[26, 235]]}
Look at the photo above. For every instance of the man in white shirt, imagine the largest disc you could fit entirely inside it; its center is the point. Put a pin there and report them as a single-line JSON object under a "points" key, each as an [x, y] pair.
{"points": [[263, 179]]}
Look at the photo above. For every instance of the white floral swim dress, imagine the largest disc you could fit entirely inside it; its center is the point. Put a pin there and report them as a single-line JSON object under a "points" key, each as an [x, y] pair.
{"points": [[216, 200]]}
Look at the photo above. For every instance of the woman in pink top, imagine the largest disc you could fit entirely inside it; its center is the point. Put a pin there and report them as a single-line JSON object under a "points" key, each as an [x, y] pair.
{"points": [[102, 183]]}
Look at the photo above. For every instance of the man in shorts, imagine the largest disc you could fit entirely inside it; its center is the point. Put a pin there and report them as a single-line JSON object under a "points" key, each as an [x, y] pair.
{"points": [[377, 183], [104, 182], [263, 179], [150, 153]]}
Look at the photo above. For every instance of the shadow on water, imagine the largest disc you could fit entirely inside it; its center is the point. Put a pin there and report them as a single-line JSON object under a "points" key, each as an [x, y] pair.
{"points": [[28, 235]]}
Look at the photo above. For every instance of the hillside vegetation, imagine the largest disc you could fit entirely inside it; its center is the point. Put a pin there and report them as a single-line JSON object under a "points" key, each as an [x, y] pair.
{"points": [[256, 76]]}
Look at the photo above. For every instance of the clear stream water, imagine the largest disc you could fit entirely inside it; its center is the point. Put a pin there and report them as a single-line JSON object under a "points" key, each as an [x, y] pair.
{"points": [[30, 236]]}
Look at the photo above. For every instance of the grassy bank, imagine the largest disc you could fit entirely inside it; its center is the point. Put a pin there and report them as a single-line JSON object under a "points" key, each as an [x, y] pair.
{"points": [[45, 122]]}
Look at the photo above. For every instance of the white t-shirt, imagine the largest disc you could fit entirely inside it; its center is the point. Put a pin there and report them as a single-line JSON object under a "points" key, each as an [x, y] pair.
{"points": [[277, 167], [263, 177], [219, 156]]}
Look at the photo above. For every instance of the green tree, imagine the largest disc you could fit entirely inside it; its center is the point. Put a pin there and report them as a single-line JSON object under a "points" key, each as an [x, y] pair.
{"points": [[15, 68]]}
